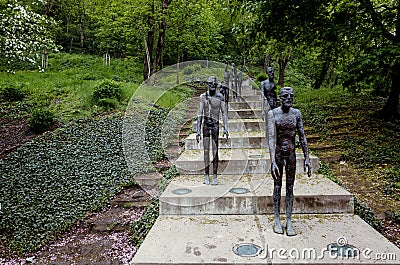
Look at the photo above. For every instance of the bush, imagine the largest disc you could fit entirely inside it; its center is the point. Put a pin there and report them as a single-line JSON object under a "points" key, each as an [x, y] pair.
{"points": [[108, 93], [41, 120], [261, 77], [12, 93]]}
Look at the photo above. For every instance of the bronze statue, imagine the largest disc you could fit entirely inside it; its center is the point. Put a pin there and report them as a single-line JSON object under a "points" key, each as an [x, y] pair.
{"points": [[234, 80], [283, 122], [268, 91], [211, 103], [225, 86]]}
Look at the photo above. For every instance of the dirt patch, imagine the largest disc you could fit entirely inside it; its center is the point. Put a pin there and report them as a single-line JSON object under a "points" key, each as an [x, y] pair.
{"points": [[365, 181], [13, 135], [100, 238]]}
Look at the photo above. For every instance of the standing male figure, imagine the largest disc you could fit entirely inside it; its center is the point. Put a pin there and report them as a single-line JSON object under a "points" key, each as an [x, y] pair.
{"points": [[234, 81], [283, 122], [211, 104], [268, 92], [225, 86]]}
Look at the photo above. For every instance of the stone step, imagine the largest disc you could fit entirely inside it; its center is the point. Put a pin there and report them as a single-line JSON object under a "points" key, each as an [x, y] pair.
{"points": [[245, 104], [240, 125], [212, 239], [316, 194], [244, 113], [254, 139], [235, 161], [245, 97]]}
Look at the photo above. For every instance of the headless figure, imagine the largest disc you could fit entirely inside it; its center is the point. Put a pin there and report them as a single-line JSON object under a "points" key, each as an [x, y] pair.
{"points": [[283, 122], [211, 104]]}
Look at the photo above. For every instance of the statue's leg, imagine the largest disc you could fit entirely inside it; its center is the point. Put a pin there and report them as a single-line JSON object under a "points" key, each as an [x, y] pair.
{"points": [[206, 147], [227, 99], [290, 177], [215, 134], [277, 198]]}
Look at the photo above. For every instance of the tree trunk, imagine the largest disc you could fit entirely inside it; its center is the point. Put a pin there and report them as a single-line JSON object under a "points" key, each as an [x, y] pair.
{"points": [[267, 61], [390, 110], [283, 61], [323, 73], [160, 43], [149, 45]]}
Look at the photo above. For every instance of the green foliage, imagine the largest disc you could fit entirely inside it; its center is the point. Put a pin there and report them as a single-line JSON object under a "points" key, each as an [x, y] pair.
{"points": [[327, 172], [153, 141], [67, 86], [366, 213], [48, 185], [12, 92], [261, 77], [107, 94], [392, 179], [41, 120], [394, 216], [141, 228]]}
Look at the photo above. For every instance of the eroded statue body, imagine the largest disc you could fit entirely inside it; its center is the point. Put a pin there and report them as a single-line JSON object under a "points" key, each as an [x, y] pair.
{"points": [[283, 123], [211, 104]]}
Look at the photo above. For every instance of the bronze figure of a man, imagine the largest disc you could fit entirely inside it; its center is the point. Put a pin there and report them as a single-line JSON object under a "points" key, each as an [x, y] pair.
{"points": [[268, 92], [283, 122], [211, 104]]}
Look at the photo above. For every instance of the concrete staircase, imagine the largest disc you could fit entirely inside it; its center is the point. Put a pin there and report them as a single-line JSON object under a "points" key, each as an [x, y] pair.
{"points": [[204, 224]]}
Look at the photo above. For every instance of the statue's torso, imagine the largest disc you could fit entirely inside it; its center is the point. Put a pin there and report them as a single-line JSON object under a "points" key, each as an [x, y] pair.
{"points": [[269, 88], [286, 126], [212, 106]]}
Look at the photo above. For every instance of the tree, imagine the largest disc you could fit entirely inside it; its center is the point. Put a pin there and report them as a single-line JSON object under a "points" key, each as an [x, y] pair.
{"points": [[24, 35], [385, 16], [194, 32]]}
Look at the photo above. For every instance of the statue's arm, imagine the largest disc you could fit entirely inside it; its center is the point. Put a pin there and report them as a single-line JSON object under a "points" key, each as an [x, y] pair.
{"points": [[224, 115], [262, 101], [303, 142], [200, 115], [272, 138]]}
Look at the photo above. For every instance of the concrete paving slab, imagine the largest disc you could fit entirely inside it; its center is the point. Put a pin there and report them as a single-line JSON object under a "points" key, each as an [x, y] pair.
{"points": [[210, 239], [240, 125], [312, 195], [247, 104], [244, 113], [253, 139], [235, 161]]}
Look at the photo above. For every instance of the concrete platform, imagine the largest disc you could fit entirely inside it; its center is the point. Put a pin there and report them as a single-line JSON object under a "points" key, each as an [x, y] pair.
{"points": [[240, 125], [186, 239], [312, 195], [255, 139], [235, 162]]}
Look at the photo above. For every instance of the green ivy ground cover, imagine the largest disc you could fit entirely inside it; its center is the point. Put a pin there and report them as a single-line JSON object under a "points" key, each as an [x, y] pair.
{"points": [[47, 185]]}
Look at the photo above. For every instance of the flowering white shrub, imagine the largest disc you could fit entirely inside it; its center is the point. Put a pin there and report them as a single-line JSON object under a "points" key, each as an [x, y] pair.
{"points": [[24, 35]]}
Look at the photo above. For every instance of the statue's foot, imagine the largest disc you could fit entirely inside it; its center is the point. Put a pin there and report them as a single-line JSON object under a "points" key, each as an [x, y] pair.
{"points": [[278, 227], [289, 229], [206, 179], [214, 180]]}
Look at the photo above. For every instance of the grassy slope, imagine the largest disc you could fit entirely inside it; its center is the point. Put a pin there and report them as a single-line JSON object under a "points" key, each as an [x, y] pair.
{"points": [[50, 183]]}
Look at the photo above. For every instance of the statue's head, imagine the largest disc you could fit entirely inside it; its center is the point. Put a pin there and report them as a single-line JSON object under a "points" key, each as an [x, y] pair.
{"points": [[286, 95], [212, 84], [270, 72]]}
